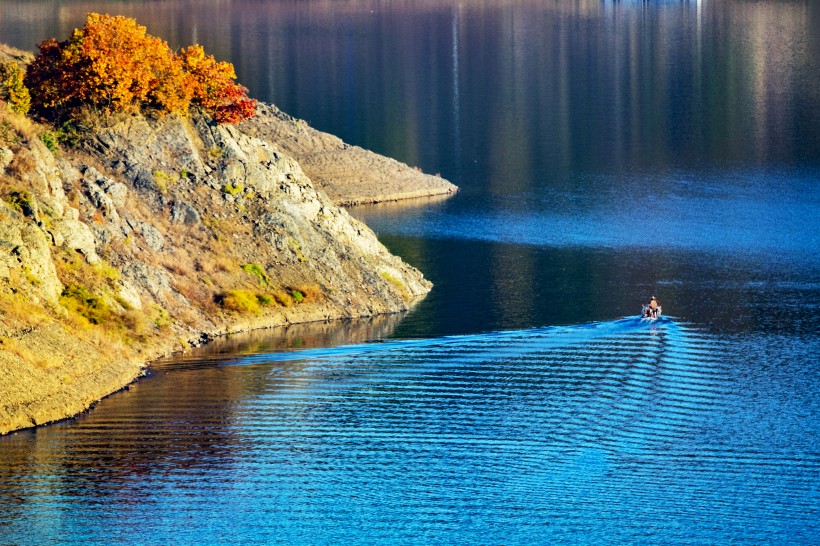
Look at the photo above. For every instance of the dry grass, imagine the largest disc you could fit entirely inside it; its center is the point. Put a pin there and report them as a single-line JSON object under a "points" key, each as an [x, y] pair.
{"points": [[19, 348], [198, 293], [311, 293], [22, 165], [397, 285], [9, 53], [181, 268], [283, 298], [25, 127], [16, 310]]}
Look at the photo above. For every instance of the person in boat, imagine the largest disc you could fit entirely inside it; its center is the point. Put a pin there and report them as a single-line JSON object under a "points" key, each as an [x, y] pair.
{"points": [[653, 307]]}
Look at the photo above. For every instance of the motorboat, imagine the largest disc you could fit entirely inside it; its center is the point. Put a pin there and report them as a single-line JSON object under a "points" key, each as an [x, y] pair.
{"points": [[649, 313]]}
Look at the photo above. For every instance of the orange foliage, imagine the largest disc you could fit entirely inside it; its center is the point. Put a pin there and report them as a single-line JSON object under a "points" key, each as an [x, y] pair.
{"points": [[114, 65], [214, 86]]}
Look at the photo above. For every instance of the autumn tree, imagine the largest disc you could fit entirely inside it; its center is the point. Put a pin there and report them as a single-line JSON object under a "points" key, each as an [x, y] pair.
{"points": [[113, 65], [214, 87], [12, 90]]}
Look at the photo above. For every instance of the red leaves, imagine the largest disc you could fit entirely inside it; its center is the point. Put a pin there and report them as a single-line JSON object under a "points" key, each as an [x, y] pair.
{"points": [[214, 87], [112, 64]]}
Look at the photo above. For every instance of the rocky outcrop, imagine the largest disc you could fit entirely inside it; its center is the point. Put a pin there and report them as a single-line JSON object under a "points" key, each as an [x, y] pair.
{"points": [[350, 175], [155, 234]]}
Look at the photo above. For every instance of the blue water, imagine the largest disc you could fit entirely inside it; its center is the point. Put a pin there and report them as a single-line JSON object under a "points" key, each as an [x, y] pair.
{"points": [[606, 152], [623, 431], [703, 211]]}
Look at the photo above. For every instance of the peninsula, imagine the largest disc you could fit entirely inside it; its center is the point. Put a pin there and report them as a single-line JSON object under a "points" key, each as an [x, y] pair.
{"points": [[148, 235]]}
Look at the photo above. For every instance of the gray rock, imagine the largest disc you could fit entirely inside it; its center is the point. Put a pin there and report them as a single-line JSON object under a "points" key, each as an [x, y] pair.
{"points": [[101, 200], [117, 192], [6, 156], [183, 213], [57, 238], [77, 235], [129, 294], [153, 237], [40, 264], [153, 281], [25, 248]]}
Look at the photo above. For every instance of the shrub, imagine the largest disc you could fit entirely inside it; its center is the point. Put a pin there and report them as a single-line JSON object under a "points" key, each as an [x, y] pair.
{"points": [[68, 133], [113, 65], [214, 88], [239, 301], [79, 300], [283, 298], [233, 188], [297, 296], [12, 89], [310, 292], [265, 299], [49, 138], [161, 179], [258, 271]]}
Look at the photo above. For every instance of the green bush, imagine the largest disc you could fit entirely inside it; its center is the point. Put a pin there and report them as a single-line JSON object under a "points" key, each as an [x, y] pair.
{"points": [[239, 301], [258, 271], [162, 179], [233, 188], [265, 299], [50, 140], [79, 300], [12, 89], [68, 134]]}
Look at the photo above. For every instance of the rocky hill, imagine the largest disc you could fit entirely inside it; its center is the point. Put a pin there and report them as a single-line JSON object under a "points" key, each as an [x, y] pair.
{"points": [[148, 236], [350, 175]]}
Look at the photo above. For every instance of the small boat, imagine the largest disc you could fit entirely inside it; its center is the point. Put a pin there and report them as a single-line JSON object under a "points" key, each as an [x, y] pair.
{"points": [[647, 313]]}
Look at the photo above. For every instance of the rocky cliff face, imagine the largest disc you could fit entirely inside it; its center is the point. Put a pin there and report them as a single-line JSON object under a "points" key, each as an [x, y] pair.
{"points": [[152, 234]]}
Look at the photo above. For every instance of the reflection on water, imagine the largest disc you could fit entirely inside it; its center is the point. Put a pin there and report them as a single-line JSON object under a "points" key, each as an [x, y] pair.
{"points": [[515, 91], [295, 337]]}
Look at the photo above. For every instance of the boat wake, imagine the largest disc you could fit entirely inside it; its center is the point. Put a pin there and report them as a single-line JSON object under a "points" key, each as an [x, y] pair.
{"points": [[623, 385]]}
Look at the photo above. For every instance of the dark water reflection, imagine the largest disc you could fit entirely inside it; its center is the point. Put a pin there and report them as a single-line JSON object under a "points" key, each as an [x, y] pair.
{"points": [[605, 151], [520, 90]]}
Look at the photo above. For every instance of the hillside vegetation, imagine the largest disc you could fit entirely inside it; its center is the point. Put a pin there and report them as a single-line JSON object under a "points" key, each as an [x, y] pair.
{"points": [[126, 234]]}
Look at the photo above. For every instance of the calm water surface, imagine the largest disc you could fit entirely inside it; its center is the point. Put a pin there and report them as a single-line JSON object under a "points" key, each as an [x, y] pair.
{"points": [[606, 151]]}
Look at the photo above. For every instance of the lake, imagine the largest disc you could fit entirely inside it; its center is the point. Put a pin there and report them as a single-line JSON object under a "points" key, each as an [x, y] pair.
{"points": [[606, 152]]}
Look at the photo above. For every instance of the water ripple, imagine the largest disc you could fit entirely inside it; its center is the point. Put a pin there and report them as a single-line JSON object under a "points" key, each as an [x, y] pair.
{"points": [[514, 437]]}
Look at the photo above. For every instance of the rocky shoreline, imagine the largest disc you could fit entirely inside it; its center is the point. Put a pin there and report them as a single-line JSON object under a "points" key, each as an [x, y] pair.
{"points": [[350, 175], [151, 236]]}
